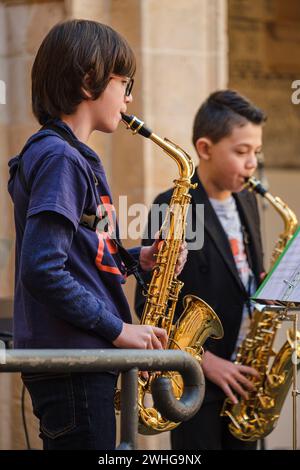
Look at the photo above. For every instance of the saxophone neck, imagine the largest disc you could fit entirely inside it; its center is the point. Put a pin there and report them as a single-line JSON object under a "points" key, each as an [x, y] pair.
{"points": [[184, 161], [288, 216]]}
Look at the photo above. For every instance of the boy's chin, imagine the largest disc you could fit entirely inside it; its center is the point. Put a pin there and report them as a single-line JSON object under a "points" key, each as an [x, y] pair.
{"points": [[238, 188], [108, 129]]}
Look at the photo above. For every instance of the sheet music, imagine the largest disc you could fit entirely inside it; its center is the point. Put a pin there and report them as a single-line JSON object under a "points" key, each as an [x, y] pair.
{"points": [[283, 282]]}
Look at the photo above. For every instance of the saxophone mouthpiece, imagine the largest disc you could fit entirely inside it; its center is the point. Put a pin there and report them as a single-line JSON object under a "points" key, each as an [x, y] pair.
{"points": [[136, 125], [255, 185], [246, 184]]}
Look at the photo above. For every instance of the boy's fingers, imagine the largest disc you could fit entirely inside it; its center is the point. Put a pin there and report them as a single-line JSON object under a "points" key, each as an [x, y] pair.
{"points": [[161, 335], [245, 382], [228, 392], [156, 342], [248, 370], [145, 374]]}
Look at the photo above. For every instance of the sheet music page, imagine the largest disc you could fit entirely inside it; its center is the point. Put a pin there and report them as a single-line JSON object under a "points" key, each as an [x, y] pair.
{"points": [[283, 282]]}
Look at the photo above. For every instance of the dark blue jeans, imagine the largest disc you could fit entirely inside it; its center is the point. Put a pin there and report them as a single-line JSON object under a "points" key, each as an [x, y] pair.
{"points": [[75, 411]]}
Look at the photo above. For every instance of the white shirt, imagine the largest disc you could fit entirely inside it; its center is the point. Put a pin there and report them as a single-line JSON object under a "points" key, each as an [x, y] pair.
{"points": [[228, 215]]}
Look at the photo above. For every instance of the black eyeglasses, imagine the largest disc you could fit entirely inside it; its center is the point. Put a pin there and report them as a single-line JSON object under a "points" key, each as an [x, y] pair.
{"points": [[129, 87], [129, 84]]}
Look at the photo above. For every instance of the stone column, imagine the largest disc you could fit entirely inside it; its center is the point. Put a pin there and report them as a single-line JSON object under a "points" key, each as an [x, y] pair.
{"points": [[6, 227], [181, 51]]}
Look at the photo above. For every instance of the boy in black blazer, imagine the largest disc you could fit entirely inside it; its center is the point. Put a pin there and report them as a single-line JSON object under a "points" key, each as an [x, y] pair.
{"points": [[227, 136]]}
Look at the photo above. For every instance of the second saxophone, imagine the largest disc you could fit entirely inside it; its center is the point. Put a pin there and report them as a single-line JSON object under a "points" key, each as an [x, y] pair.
{"points": [[256, 417]]}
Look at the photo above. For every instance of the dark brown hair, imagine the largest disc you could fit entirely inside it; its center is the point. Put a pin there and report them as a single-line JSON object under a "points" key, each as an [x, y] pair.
{"points": [[76, 55], [222, 111]]}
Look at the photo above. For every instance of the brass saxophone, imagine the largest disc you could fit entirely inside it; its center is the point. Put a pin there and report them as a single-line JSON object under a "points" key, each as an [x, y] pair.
{"points": [[198, 320], [256, 417]]}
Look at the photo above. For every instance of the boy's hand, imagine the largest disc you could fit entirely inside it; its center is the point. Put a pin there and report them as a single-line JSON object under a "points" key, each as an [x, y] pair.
{"points": [[148, 260], [262, 276], [141, 337], [228, 376]]}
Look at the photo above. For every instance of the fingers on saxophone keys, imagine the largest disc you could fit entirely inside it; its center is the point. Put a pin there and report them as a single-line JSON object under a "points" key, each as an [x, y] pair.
{"points": [[145, 374], [156, 344], [228, 392], [183, 247], [161, 336], [246, 383], [249, 370], [238, 388], [181, 260]]}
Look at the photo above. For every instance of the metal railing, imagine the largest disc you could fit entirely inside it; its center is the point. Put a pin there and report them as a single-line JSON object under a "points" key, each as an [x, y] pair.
{"points": [[128, 362]]}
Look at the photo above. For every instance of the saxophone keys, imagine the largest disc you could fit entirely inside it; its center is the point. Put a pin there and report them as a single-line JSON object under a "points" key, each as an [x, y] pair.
{"points": [[266, 402], [275, 380]]}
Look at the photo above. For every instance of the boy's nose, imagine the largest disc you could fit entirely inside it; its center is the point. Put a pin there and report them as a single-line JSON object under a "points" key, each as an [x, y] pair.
{"points": [[129, 99], [252, 161]]}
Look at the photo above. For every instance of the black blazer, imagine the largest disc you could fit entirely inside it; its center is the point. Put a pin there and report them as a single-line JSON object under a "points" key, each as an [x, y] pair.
{"points": [[211, 273]]}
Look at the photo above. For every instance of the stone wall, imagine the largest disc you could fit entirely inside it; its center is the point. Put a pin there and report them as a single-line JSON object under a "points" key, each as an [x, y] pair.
{"points": [[264, 38]]}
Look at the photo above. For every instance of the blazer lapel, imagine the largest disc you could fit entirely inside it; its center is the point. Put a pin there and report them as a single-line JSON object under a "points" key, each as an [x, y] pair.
{"points": [[245, 209], [214, 229]]}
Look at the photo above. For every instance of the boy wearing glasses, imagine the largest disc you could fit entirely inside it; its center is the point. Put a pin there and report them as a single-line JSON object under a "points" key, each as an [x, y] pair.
{"points": [[227, 136], [69, 273]]}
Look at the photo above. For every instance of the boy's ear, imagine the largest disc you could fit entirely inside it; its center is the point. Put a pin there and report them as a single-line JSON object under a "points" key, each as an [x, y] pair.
{"points": [[86, 93], [85, 85], [203, 147]]}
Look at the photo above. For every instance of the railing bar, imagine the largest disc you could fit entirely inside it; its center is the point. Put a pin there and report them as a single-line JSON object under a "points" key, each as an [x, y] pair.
{"points": [[129, 409]]}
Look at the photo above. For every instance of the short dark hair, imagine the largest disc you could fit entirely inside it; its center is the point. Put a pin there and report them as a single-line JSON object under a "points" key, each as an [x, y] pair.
{"points": [[76, 54], [222, 111]]}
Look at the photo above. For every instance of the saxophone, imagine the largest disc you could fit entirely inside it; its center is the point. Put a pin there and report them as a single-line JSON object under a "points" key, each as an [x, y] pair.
{"points": [[198, 320], [256, 417]]}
